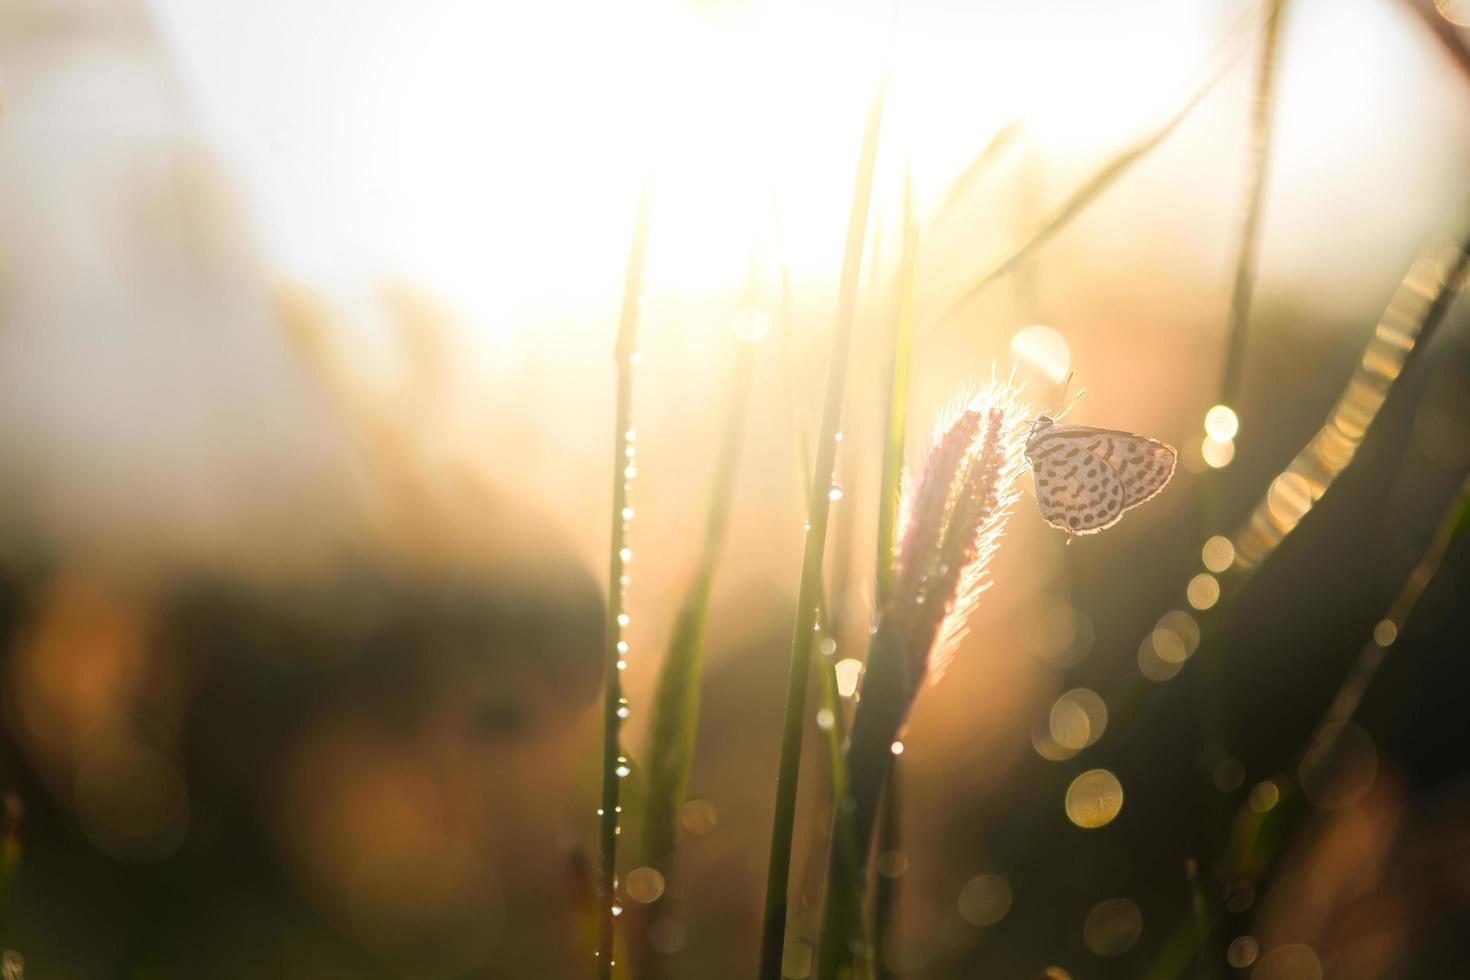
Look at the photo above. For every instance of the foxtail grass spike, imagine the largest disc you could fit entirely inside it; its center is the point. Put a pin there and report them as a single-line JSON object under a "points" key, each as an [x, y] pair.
{"points": [[955, 520], [809, 592], [614, 764]]}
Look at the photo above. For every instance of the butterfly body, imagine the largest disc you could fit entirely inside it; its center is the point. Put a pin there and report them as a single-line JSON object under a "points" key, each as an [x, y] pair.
{"points": [[1087, 478]]}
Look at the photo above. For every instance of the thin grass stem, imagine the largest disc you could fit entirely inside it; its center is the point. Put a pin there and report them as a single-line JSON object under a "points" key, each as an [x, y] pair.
{"points": [[885, 898], [1093, 187], [1250, 233], [809, 593], [625, 352]]}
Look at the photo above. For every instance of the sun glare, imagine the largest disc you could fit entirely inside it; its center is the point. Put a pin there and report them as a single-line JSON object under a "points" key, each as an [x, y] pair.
{"points": [[509, 181]]}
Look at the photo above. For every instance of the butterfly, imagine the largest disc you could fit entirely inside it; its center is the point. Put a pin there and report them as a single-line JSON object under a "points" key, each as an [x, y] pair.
{"points": [[1087, 478]]}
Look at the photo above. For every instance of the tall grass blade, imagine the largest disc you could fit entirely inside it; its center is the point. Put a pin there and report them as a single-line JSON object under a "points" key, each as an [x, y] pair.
{"points": [[625, 352], [675, 712], [995, 151], [885, 899], [809, 593], [1099, 181], [1250, 232], [1403, 333]]}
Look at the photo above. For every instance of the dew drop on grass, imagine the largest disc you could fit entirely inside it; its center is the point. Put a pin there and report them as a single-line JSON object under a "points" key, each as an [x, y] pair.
{"points": [[835, 493]]}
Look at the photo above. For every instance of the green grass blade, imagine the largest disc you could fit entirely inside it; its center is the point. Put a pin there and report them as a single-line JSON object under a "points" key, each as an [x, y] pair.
{"points": [[809, 593], [885, 898], [624, 352], [675, 712]]}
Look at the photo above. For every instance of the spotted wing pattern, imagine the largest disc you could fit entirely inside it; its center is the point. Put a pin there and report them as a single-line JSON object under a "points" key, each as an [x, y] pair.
{"points": [[1087, 478]]}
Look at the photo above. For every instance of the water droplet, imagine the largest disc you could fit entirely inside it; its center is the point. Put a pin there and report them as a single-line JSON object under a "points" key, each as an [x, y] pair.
{"points": [[630, 452], [631, 434], [623, 712], [806, 525], [835, 493], [622, 771], [622, 646], [896, 748], [825, 719], [627, 513], [623, 619], [827, 646], [631, 472], [625, 580], [617, 909], [622, 665], [636, 357], [626, 555], [848, 671]]}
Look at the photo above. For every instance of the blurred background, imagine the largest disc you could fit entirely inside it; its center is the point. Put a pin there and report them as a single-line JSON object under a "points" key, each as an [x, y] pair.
{"points": [[307, 313]]}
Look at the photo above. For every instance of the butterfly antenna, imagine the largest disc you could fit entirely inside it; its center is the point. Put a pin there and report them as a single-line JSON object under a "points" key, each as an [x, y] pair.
{"points": [[1075, 399], [1065, 385]]}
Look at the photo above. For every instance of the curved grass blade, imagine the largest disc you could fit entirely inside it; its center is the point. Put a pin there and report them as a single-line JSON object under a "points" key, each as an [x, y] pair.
{"points": [[1250, 232], [809, 593], [1090, 189]]}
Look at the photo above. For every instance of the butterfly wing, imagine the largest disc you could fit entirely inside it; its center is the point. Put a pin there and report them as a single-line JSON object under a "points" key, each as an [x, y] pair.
{"points": [[1086, 478], [1145, 466], [1077, 491]]}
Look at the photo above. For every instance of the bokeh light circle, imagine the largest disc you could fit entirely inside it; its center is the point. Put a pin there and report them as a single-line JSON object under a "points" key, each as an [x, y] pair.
{"points": [[644, 885], [1293, 962], [1112, 927], [1044, 349], [985, 900], [1094, 799]]}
